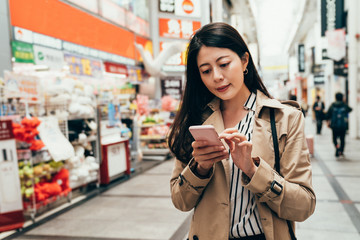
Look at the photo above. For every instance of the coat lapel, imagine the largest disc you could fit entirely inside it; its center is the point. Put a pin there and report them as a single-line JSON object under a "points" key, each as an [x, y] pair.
{"points": [[217, 121]]}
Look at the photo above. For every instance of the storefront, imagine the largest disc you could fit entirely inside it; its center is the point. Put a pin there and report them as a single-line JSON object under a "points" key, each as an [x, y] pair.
{"points": [[83, 109]]}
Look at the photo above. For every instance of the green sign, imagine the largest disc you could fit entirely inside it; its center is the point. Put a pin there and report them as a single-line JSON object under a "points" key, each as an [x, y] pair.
{"points": [[41, 56], [22, 52]]}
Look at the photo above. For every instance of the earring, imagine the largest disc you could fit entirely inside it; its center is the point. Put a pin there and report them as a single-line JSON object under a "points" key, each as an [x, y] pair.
{"points": [[246, 71]]}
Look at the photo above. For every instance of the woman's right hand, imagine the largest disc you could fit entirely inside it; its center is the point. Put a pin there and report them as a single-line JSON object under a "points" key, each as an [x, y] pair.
{"points": [[206, 156]]}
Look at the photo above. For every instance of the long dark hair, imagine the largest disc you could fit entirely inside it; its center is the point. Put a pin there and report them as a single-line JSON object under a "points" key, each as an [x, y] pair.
{"points": [[196, 95]]}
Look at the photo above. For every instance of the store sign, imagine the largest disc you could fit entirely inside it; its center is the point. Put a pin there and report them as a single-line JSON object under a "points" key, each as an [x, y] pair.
{"points": [[24, 35], [324, 55], [336, 44], [52, 58], [22, 52], [75, 48], [82, 66], [10, 195], [167, 6], [171, 86], [188, 8], [319, 79], [175, 28], [47, 41], [28, 36], [340, 68], [115, 68], [301, 57], [332, 15], [22, 86], [318, 69]]}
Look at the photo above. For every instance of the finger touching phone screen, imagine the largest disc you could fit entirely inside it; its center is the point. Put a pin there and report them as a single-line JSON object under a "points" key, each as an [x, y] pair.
{"points": [[205, 133]]}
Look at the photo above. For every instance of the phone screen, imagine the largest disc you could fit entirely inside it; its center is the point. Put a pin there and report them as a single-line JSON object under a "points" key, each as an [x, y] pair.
{"points": [[207, 133]]}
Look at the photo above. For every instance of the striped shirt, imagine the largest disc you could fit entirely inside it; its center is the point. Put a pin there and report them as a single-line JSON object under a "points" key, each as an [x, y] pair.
{"points": [[245, 218]]}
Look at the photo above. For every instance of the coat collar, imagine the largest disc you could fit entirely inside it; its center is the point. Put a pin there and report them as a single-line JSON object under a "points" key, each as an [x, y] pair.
{"points": [[261, 101]]}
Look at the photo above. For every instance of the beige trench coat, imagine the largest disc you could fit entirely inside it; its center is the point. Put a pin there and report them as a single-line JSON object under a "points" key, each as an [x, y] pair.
{"points": [[210, 197]]}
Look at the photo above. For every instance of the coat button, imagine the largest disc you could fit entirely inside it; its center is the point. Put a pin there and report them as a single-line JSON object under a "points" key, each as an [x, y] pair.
{"points": [[195, 237]]}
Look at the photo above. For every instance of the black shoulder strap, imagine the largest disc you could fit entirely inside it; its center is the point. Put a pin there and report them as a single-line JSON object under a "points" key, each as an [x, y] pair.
{"points": [[277, 159], [275, 141]]}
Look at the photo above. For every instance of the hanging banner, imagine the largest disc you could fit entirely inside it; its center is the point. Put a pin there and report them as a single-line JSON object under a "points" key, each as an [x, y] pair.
{"points": [[188, 8], [336, 44], [82, 66], [171, 86], [174, 28], [52, 58], [332, 15], [11, 215], [22, 52]]}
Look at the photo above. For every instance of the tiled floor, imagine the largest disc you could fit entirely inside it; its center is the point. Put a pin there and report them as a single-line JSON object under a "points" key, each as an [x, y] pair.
{"points": [[141, 208]]}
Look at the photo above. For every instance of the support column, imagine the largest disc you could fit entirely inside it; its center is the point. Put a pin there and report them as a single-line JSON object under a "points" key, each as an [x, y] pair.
{"points": [[353, 75], [217, 10], [5, 49], [154, 22]]}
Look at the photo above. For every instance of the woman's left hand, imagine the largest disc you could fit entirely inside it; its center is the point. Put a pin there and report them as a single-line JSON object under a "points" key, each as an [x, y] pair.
{"points": [[240, 150]]}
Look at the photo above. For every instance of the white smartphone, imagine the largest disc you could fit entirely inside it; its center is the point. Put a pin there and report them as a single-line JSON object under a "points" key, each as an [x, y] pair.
{"points": [[207, 133]]}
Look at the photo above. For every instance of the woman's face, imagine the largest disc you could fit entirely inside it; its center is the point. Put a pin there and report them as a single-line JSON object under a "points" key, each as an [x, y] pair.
{"points": [[221, 71]]}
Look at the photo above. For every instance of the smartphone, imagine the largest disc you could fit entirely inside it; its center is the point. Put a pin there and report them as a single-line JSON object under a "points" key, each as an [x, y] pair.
{"points": [[207, 133]]}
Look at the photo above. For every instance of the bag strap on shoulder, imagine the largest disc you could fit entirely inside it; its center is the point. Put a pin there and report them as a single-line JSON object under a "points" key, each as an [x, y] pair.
{"points": [[277, 159]]}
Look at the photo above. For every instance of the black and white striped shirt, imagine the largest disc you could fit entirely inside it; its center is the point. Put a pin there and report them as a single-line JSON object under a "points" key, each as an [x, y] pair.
{"points": [[245, 218]]}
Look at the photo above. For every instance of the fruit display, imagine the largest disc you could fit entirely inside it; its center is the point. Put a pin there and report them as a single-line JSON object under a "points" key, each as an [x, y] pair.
{"points": [[30, 175]]}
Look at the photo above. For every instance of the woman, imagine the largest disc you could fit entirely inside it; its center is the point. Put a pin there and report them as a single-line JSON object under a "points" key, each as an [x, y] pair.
{"points": [[235, 192]]}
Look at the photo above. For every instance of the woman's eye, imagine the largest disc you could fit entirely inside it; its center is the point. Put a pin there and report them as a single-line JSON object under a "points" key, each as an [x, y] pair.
{"points": [[224, 65], [206, 71]]}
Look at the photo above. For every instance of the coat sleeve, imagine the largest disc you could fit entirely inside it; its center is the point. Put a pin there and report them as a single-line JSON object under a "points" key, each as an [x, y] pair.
{"points": [[186, 187], [293, 198]]}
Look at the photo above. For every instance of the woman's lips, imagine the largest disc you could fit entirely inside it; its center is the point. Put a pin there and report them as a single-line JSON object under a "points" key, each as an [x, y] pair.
{"points": [[223, 88]]}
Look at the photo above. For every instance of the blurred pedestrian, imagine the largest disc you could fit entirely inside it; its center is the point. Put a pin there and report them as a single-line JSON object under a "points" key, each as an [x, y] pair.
{"points": [[319, 108], [303, 105], [337, 118], [235, 190]]}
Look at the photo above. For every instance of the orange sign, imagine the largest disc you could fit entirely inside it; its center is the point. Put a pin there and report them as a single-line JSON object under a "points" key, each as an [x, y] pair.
{"points": [[60, 20], [175, 28], [146, 43], [188, 6]]}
